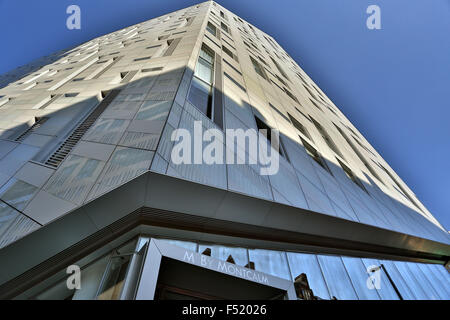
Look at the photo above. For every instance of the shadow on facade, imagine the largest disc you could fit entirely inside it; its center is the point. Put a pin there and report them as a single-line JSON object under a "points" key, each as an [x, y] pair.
{"points": [[301, 182]]}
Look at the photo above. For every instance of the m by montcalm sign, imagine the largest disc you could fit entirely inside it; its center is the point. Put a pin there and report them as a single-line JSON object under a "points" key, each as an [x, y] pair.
{"points": [[225, 267]]}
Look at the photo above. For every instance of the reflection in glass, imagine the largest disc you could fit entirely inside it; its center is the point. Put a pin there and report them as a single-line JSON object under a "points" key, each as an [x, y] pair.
{"points": [[183, 244], [239, 255], [73, 180], [153, 110], [271, 262], [337, 278], [113, 283], [13, 225], [17, 193], [307, 263]]}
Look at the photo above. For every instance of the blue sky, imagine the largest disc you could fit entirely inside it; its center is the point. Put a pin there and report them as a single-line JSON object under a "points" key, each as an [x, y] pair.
{"points": [[392, 84]]}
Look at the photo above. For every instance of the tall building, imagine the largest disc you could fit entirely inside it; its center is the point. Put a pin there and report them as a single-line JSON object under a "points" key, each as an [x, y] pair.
{"points": [[88, 177]]}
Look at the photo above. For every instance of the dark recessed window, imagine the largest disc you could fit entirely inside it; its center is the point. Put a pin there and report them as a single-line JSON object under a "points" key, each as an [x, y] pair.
{"points": [[278, 111], [201, 93], [266, 131], [299, 126], [290, 95], [326, 137], [143, 58], [71, 94], [235, 82], [211, 29], [232, 67], [349, 173], [152, 69], [224, 27], [155, 46], [315, 155], [259, 69]]}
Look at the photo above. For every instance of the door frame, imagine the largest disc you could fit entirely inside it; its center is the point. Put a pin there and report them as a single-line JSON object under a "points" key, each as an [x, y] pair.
{"points": [[158, 249]]}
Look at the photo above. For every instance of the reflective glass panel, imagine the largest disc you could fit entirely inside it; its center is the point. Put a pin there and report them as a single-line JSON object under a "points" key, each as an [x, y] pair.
{"points": [[271, 262], [239, 255]]}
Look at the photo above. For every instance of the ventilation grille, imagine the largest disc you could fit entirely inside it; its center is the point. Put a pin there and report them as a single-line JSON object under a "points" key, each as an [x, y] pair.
{"points": [[64, 149], [39, 122]]}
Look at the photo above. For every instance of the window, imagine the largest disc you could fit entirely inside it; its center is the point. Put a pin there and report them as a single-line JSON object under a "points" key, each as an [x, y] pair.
{"points": [[290, 95], [224, 40], [315, 155], [278, 111], [349, 173], [299, 126], [172, 45], [151, 47], [326, 137], [303, 114], [71, 94], [258, 68], [234, 81], [315, 104], [224, 27], [211, 29], [232, 67], [228, 52], [360, 156], [201, 93], [279, 68], [152, 69], [211, 39], [266, 131]]}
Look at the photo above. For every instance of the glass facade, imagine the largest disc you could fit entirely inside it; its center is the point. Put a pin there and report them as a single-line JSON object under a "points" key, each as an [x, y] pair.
{"points": [[200, 94], [115, 275]]}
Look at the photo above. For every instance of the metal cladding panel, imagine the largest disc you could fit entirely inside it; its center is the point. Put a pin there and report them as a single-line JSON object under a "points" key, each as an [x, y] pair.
{"points": [[129, 133], [308, 264], [359, 277], [337, 278]]}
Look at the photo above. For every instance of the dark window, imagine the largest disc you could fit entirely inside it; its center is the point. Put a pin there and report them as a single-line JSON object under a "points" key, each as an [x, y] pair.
{"points": [[229, 53], [232, 67], [349, 173], [290, 95], [299, 126], [279, 68], [278, 111], [143, 58], [266, 131], [224, 27], [211, 29], [71, 94], [234, 81], [201, 93], [152, 69], [151, 47], [326, 137], [315, 155], [360, 156], [258, 68]]}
